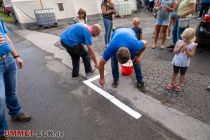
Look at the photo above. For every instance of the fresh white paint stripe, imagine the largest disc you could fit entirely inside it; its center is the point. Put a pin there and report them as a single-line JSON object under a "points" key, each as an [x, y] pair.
{"points": [[93, 79], [112, 99]]}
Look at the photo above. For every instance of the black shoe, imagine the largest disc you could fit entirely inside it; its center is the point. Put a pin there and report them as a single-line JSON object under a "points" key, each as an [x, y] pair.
{"points": [[141, 86], [75, 77], [115, 83], [171, 46], [22, 117], [91, 72]]}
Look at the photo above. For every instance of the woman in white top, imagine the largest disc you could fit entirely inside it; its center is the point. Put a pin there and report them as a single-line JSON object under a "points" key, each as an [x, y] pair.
{"points": [[184, 50], [81, 18]]}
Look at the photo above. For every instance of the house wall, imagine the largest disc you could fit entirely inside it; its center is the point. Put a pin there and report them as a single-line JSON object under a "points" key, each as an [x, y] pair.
{"points": [[71, 7], [24, 9]]}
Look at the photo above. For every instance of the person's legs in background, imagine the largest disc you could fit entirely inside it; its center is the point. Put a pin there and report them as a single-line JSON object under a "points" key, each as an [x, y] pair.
{"points": [[86, 59], [3, 122], [202, 10], [108, 30], [157, 32], [171, 25], [206, 9], [115, 71], [179, 33], [151, 6], [75, 56], [168, 36], [139, 77], [10, 78], [146, 2], [138, 72], [183, 70], [75, 62], [172, 84], [164, 30], [174, 33]]}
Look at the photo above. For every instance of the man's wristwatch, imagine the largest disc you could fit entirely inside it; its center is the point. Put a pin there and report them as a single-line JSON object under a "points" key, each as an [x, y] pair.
{"points": [[16, 56]]}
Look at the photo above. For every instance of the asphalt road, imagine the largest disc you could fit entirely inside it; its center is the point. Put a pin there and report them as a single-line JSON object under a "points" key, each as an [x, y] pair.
{"points": [[58, 103]]}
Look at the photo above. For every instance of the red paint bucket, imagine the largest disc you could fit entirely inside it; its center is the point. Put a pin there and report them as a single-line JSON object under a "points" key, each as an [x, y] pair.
{"points": [[127, 68]]}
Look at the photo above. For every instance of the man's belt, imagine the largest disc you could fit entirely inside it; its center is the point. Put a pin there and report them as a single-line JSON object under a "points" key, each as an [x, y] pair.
{"points": [[4, 56]]}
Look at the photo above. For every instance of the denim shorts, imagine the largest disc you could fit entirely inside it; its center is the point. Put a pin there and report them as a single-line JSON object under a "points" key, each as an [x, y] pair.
{"points": [[162, 21]]}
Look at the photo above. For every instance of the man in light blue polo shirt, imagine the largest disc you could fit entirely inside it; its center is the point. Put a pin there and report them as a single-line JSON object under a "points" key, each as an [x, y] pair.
{"points": [[123, 46], [73, 40], [9, 60]]}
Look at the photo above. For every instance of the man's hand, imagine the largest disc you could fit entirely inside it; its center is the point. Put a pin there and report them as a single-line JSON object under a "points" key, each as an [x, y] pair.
{"points": [[96, 66], [19, 62], [102, 82]]}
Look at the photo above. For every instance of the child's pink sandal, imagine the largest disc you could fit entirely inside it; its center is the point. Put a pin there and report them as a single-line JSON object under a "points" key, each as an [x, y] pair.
{"points": [[178, 88], [170, 86]]}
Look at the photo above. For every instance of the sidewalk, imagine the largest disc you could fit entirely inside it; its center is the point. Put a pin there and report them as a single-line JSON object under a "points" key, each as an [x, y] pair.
{"points": [[157, 71]]}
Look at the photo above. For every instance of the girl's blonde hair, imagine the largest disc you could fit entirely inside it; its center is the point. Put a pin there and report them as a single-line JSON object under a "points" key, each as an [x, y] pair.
{"points": [[189, 34], [136, 21]]}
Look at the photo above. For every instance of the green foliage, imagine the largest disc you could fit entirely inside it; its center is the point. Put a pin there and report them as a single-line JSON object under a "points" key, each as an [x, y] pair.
{"points": [[5, 17]]}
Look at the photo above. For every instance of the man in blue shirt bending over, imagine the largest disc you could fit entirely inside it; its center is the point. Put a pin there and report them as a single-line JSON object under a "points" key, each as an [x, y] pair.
{"points": [[123, 46], [73, 40]]}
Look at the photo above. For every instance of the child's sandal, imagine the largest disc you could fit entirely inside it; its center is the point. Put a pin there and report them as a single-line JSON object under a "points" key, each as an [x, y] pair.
{"points": [[178, 88], [170, 86]]}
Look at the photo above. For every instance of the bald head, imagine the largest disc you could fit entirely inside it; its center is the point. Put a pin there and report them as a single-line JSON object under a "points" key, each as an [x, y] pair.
{"points": [[96, 30]]}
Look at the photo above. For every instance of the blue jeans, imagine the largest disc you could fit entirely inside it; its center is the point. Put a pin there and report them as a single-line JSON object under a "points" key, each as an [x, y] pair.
{"points": [[108, 30], [177, 32], [115, 69], [8, 74]]}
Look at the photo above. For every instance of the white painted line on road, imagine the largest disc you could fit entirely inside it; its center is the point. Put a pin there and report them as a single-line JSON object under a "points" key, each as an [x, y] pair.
{"points": [[111, 98], [95, 77]]}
